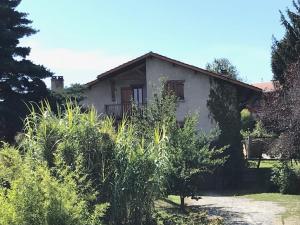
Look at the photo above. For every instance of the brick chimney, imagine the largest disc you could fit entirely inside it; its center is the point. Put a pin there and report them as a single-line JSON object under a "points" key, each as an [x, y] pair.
{"points": [[57, 83]]}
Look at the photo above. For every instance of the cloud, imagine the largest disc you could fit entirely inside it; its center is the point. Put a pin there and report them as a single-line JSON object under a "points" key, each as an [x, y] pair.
{"points": [[77, 66]]}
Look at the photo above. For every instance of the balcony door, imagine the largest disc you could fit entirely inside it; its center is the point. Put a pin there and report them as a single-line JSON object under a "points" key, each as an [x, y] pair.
{"points": [[126, 97]]}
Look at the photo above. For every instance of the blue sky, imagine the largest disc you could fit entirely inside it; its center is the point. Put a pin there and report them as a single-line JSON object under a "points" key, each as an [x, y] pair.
{"points": [[81, 39]]}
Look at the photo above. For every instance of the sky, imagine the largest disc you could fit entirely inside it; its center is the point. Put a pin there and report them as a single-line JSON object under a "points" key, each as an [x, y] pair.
{"points": [[81, 39]]}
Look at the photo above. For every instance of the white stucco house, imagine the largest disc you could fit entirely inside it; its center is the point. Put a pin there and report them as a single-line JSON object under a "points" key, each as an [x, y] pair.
{"points": [[139, 79]]}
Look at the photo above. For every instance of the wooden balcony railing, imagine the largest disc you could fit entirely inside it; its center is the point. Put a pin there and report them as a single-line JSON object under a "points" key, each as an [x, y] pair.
{"points": [[120, 110]]}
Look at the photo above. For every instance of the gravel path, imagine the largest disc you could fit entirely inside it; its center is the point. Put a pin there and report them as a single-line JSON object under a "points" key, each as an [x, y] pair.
{"points": [[240, 211]]}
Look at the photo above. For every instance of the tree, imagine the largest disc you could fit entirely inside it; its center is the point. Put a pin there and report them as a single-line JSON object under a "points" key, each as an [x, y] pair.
{"points": [[223, 66], [224, 106], [192, 157], [20, 79], [191, 154], [287, 50], [280, 114], [73, 93]]}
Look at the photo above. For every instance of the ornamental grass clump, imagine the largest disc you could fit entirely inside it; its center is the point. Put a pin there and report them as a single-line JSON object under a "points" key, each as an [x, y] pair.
{"points": [[141, 164]]}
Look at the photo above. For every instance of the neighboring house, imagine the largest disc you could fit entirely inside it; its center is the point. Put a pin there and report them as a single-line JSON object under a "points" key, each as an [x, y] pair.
{"points": [[266, 86], [139, 79]]}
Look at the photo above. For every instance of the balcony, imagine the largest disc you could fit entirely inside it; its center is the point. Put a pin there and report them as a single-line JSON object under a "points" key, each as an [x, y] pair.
{"points": [[120, 110]]}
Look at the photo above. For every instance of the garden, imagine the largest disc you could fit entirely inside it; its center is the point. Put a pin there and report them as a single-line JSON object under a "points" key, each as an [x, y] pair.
{"points": [[74, 167]]}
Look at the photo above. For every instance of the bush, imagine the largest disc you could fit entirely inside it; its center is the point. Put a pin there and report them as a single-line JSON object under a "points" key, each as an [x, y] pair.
{"points": [[120, 166], [29, 194], [285, 178]]}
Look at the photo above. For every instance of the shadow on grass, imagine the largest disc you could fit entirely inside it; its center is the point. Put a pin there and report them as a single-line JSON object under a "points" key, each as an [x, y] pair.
{"points": [[198, 213], [227, 216]]}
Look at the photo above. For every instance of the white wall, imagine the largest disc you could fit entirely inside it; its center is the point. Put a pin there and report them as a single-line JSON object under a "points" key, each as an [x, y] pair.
{"points": [[98, 96], [196, 89]]}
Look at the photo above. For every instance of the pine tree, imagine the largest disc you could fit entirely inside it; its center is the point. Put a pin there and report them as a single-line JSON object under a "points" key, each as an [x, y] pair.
{"points": [[20, 79], [287, 50]]}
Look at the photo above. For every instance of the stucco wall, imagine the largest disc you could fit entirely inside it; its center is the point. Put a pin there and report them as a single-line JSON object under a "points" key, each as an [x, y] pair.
{"points": [[196, 89], [98, 96]]}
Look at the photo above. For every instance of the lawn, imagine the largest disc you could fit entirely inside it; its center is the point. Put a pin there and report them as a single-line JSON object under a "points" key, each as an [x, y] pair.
{"points": [[263, 163], [290, 202]]}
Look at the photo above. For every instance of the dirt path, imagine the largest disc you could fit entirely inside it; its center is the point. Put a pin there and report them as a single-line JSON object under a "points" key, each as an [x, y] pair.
{"points": [[241, 211]]}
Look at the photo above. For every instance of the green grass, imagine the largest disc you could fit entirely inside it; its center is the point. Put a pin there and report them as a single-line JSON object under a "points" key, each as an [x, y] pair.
{"points": [[174, 198], [290, 202], [263, 163]]}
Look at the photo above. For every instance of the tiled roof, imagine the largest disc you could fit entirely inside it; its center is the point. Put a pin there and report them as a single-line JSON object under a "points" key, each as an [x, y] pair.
{"points": [[265, 86], [176, 62]]}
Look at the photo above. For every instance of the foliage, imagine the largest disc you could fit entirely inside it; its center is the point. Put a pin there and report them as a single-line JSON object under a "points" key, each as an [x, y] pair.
{"points": [[223, 66], [78, 151], [191, 157], [286, 51], [74, 93], [193, 216], [20, 79], [139, 175], [29, 194], [284, 121], [224, 107], [76, 142], [247, 120], [286, 179], [116, 166], [160, 111], [259, 131], [190, 154]]}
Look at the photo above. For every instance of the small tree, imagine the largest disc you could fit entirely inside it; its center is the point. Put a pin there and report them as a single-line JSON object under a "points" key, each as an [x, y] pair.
{"points": [[192, 156], [223, 66]]}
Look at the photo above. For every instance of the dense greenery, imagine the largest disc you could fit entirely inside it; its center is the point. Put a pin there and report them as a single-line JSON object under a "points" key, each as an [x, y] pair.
{"points": [[247, 121], [287, 50], [30, 194], [74, 93], [223, 66], [20, 79], [286, 178], [284, 120], [191, 153], [90, 163], [192, 157], [224, 105]]}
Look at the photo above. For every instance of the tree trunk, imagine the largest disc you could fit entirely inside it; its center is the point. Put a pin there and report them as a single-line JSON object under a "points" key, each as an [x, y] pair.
{"points": [[182, 202]]}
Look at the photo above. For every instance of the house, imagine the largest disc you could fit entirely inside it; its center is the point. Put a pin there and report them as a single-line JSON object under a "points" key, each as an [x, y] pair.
{"points": [[139, 79], [266, 86]]}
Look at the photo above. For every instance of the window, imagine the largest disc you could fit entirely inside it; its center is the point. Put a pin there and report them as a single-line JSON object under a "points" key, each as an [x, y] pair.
{"points": [[137, 93], [176, 87]]}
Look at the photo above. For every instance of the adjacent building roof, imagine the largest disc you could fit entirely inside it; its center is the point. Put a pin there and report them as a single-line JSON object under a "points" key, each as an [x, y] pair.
{"points": [[143, 58], [265, 86]]}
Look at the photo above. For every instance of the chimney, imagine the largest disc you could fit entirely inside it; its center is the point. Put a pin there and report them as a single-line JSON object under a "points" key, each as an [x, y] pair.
{"points": [[57, 83]]}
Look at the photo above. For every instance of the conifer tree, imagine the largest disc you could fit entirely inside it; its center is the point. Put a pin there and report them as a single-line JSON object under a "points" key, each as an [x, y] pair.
{"points": [[287, 50], [20, 79], [223, 66]]}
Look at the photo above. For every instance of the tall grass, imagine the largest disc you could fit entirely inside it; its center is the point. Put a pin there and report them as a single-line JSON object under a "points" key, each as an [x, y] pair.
{"points": [[119, 166]]}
